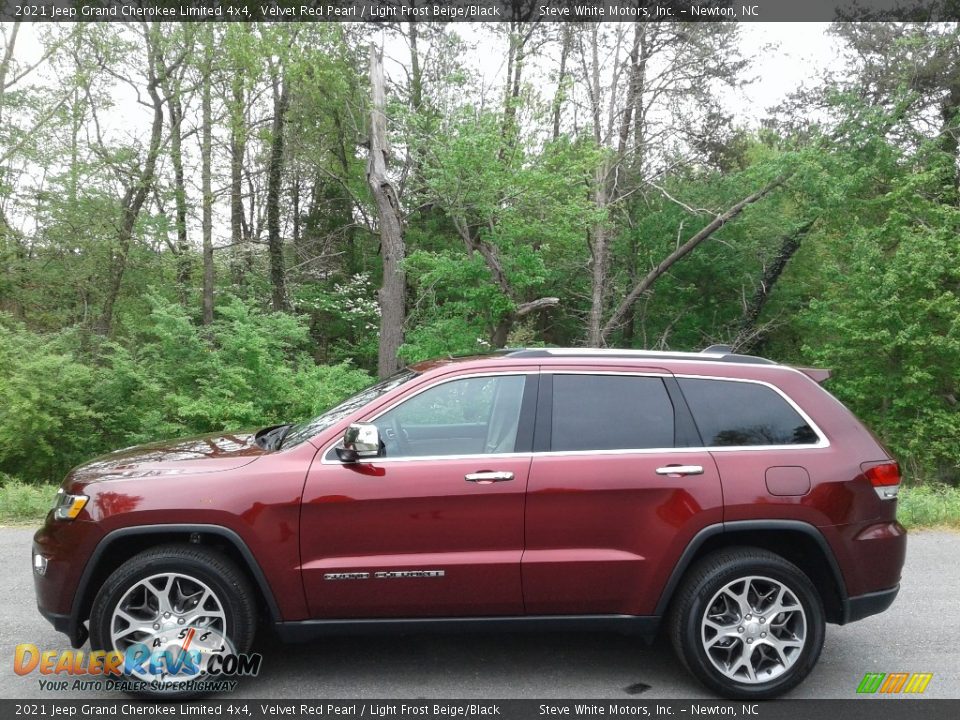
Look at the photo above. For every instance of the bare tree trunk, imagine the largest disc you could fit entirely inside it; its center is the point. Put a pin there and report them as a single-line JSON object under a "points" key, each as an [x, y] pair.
{"points": [[6, 62], [598, 233], [950, 133], [630, 319], [206, 146], [502, 332], [747, 334], [238, 150], [4, 70], [295, 191], [566, 40], [175, 112], [520, 34], [170, 80], [393, 288], [488, 252], [626, 116], [416, 73], [634, 114], [608, 180], [137, 191], [647, 41], [278, 272], [598, 270], [511, 55], [689, 246]]}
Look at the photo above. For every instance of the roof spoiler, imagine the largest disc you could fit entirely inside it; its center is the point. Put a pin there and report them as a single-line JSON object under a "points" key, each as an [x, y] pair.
{"points": [[820, 375]]}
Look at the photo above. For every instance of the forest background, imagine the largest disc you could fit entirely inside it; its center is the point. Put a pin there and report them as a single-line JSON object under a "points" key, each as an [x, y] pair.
{"points": [[275, 220]]}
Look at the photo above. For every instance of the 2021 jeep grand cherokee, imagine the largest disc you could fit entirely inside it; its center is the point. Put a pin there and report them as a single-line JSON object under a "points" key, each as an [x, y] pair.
{"points": [[728, 496]]}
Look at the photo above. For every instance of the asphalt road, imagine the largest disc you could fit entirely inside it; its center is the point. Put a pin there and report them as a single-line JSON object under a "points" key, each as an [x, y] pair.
{"points": [[920, 633]]}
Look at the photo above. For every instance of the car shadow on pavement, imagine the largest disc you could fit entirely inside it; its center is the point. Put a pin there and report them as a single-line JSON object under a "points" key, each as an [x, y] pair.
{"points": [[474, 665]]}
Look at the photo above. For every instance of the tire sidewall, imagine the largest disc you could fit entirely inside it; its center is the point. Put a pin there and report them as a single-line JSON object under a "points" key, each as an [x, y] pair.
{"points": [[238, 631], [696, 655]]}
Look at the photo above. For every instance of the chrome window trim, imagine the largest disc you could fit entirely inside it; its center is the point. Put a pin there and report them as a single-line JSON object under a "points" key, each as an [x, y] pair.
{"points": [[823, 441], [430, 458], [506, 372], [673, 450]]}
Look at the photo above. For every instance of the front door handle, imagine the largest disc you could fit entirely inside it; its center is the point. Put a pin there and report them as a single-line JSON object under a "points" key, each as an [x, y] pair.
{"points": [[485, 477], [680, 470]]}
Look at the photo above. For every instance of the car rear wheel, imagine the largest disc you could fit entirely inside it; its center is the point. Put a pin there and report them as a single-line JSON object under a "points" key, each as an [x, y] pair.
{"points": [[168, 611], [747, 623]]}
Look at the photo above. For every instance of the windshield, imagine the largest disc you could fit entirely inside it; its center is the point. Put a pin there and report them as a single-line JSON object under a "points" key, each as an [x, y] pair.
{"points": [[304, 431]]}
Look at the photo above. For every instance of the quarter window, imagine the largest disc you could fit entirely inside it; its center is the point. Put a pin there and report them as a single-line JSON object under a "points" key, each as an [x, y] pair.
{"points": [[743, 414], [610, 412]]}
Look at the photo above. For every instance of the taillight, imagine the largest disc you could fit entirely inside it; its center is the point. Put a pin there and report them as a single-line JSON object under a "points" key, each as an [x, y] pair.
{"points": [[885, 478]]}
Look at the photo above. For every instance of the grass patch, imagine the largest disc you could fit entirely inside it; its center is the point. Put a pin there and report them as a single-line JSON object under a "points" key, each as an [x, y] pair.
{"points": [[22, 503], [928, 506]]}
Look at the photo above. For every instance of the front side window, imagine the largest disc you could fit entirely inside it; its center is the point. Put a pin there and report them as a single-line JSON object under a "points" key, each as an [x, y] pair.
{"points": [[744, 414], [471, 416], [610, 412]]}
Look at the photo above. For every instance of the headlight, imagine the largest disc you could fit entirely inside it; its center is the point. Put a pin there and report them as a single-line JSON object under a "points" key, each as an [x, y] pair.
{"points": [[67, 506]]}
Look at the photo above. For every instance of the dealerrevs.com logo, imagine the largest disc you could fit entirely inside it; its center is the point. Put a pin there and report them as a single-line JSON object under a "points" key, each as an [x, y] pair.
{"points": [[894, 683], [196, 660]]}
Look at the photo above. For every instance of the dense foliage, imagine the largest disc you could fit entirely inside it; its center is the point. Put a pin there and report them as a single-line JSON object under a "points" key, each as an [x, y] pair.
{"points": [[65, 403], [189, 241]]}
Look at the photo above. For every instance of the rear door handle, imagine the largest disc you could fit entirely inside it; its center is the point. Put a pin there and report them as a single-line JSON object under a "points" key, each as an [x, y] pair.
{"points": [[680, 470], [485, 477]]}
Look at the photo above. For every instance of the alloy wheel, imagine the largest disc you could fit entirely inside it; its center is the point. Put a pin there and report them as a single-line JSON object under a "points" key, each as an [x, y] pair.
{"points": [[169, 613], [754, 629]]}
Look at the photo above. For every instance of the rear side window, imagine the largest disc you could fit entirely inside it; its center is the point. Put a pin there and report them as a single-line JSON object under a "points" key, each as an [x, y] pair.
{"points": [[744, 413], [610, 412]]}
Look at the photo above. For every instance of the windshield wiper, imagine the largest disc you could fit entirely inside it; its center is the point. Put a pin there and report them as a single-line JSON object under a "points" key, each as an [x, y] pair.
{"points": [[270, 438]]}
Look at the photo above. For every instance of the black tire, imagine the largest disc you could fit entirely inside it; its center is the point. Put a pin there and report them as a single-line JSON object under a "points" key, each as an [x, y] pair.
{"points": [[701, 585], [219, 573]]}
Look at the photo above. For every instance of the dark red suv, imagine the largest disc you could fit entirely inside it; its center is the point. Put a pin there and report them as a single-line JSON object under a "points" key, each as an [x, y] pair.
{"points": [[729, 497]]}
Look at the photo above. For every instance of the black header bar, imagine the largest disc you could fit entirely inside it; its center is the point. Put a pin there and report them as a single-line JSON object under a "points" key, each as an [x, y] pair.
{"points": [[393, 11], [487, 709]]}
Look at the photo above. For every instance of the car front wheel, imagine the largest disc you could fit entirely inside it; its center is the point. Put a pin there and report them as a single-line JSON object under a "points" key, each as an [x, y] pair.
{"points": [[168, 611], [747, 623]]}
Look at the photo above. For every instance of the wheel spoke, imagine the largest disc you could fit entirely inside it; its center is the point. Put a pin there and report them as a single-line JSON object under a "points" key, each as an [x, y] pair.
{"points": [[786, 643], [126, 632], [719, 627], [133, 626], [746, 662], [160, 589], [778, 649], [721, 635], [126, 617], [203, 619], [190, 600], [783, 603], [740, 598]]}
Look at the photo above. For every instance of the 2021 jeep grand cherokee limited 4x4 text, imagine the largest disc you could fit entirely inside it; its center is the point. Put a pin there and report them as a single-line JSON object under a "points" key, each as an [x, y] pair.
{"points": [[729, 497]]}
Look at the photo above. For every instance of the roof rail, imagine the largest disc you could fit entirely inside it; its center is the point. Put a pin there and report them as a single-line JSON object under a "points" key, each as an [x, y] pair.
{"points": [[714, 353]]}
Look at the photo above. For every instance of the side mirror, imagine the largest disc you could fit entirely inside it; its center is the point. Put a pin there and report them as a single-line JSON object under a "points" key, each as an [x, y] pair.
{"points": [[360, 441]]}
